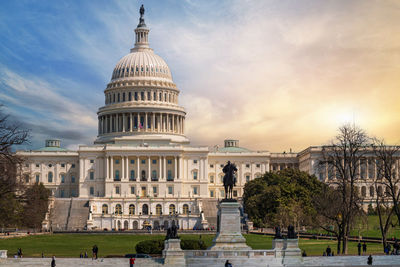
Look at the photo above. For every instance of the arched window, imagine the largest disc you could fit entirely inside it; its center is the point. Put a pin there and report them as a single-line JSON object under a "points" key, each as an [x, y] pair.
{"points": [[145, 209], [143, 177], [379, 191], [371, 191], [172, 209], [118, 209], [158, 209], [132, 177], [131, 209], [50, 177], [116, 178], [104, 209], [185, 209], [363, 191], [154, 175]]}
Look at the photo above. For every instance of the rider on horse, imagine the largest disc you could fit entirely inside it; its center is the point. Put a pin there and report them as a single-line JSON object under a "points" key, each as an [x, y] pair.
{"points": [[229, 179]]}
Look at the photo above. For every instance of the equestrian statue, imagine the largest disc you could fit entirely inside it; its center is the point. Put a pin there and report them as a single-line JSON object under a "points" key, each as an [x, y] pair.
{"points": [[229, 179]]}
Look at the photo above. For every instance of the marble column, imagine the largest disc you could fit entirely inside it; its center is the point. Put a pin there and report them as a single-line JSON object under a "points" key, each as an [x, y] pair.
{"points": [[123, 122], [107, 167], [153, 123], [149, 168], [165, 167], [138, 122], [160, 167], [122, 167], [145, 122], [138, 168], [175, 168], [127, 167], [111, 167], [131, 119]]}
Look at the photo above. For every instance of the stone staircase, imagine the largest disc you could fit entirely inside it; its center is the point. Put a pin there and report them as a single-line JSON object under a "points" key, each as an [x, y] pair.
{"points": [[79, 214], [210, 211], [59, 213]]}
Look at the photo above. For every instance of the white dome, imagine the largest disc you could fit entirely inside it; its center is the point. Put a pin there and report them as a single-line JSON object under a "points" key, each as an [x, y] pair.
{"points": [[142, 63]]}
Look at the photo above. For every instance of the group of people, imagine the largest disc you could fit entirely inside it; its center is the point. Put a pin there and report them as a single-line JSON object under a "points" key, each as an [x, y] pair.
{"points": [[396, 248], [364, 248], [328, 252], [95, 252]]}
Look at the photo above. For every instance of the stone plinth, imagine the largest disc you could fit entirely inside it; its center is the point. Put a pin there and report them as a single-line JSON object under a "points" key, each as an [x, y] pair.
{"points": [[229, 235], [278, 246], [292, 252], [3, 254], [173, 254]]}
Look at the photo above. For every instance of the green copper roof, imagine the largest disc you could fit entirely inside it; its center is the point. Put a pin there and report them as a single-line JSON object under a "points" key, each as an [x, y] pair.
{"points": [[233, 149], [52, 149]]}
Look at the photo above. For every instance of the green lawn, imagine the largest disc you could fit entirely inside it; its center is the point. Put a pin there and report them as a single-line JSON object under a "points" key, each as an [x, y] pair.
{"points": [[71, 245], [369, 227]]}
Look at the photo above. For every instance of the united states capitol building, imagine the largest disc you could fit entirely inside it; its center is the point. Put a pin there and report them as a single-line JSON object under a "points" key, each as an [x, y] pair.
{"points": [[141, 170]]}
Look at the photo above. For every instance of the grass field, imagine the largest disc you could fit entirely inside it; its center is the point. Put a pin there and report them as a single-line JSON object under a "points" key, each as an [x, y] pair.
{"points": [[71, 245], [369, 227]]}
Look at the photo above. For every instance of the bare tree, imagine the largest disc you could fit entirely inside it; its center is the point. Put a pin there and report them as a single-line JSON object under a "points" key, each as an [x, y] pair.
{"points": [[11, 134], [387, 177], [342, 159]]}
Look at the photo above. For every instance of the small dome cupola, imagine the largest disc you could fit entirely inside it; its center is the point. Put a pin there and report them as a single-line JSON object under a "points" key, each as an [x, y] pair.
{"points": [[141, 32]]}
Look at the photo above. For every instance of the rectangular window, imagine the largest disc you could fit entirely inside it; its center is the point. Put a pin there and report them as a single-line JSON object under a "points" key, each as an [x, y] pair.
{"points": [[92, 161], [91, 190], [222, 192], [37, 165], [258, 165], [195, 190], [143, 161], [73, 165], [170, 190], [195, 161], [62, 165], [37, 178], [222, 165], [169, 176], [247, 178], [154, 189], [62, 193], [136, 96], [247, 165], [154, 161], [132, 177], [117, 161], [132, 190], [91, 175], [72, 179], [62, 178], [169, 161], [235, 193], [212, 179], [130, 96], [195, 175], [123, 97], [117, 190], [211, 193], [132, 161], [211, 165]]}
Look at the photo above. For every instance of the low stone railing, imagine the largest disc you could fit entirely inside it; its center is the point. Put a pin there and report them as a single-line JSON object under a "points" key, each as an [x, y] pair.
{"points": [[229, 253]]}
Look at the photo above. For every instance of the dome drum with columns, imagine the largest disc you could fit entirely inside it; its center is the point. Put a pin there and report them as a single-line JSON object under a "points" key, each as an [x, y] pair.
{"points": [[141, 100]]}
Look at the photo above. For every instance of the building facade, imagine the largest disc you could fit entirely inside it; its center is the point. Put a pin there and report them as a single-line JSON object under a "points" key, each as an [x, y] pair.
{"points": [[141, 170]]}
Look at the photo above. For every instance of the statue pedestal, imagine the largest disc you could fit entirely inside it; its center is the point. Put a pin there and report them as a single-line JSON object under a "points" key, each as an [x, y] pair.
{"points": [[292, 252], [173, 254], [229, 235]]}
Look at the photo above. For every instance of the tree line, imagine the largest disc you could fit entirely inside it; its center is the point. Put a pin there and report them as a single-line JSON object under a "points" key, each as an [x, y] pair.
{"points": [[294, 197], [21, 205]]}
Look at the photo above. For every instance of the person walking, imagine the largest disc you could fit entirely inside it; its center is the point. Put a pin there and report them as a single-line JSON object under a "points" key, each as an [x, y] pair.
{"points": [[364, 247], [53, 261], [369, 261], [96, 250], [228, 264], [328, 251], [131, 262], [359, 248]]}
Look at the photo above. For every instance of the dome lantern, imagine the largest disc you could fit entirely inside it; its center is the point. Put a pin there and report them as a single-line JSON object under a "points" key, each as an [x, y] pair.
{"points": [[141, 32]]}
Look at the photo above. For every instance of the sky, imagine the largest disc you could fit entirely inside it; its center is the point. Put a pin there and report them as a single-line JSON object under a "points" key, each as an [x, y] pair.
{"points": [[277, 75]]}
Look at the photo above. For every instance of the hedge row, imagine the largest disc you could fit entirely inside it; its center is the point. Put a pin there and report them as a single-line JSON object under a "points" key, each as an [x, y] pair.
{"points": [[157, 246]]}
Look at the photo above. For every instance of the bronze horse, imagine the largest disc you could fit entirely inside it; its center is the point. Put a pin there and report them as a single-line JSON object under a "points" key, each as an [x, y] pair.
{"points": [[229, 179]]}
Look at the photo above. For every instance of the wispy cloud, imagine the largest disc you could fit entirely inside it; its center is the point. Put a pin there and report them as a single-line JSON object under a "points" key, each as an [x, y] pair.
{"points": [[274, 74]]}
